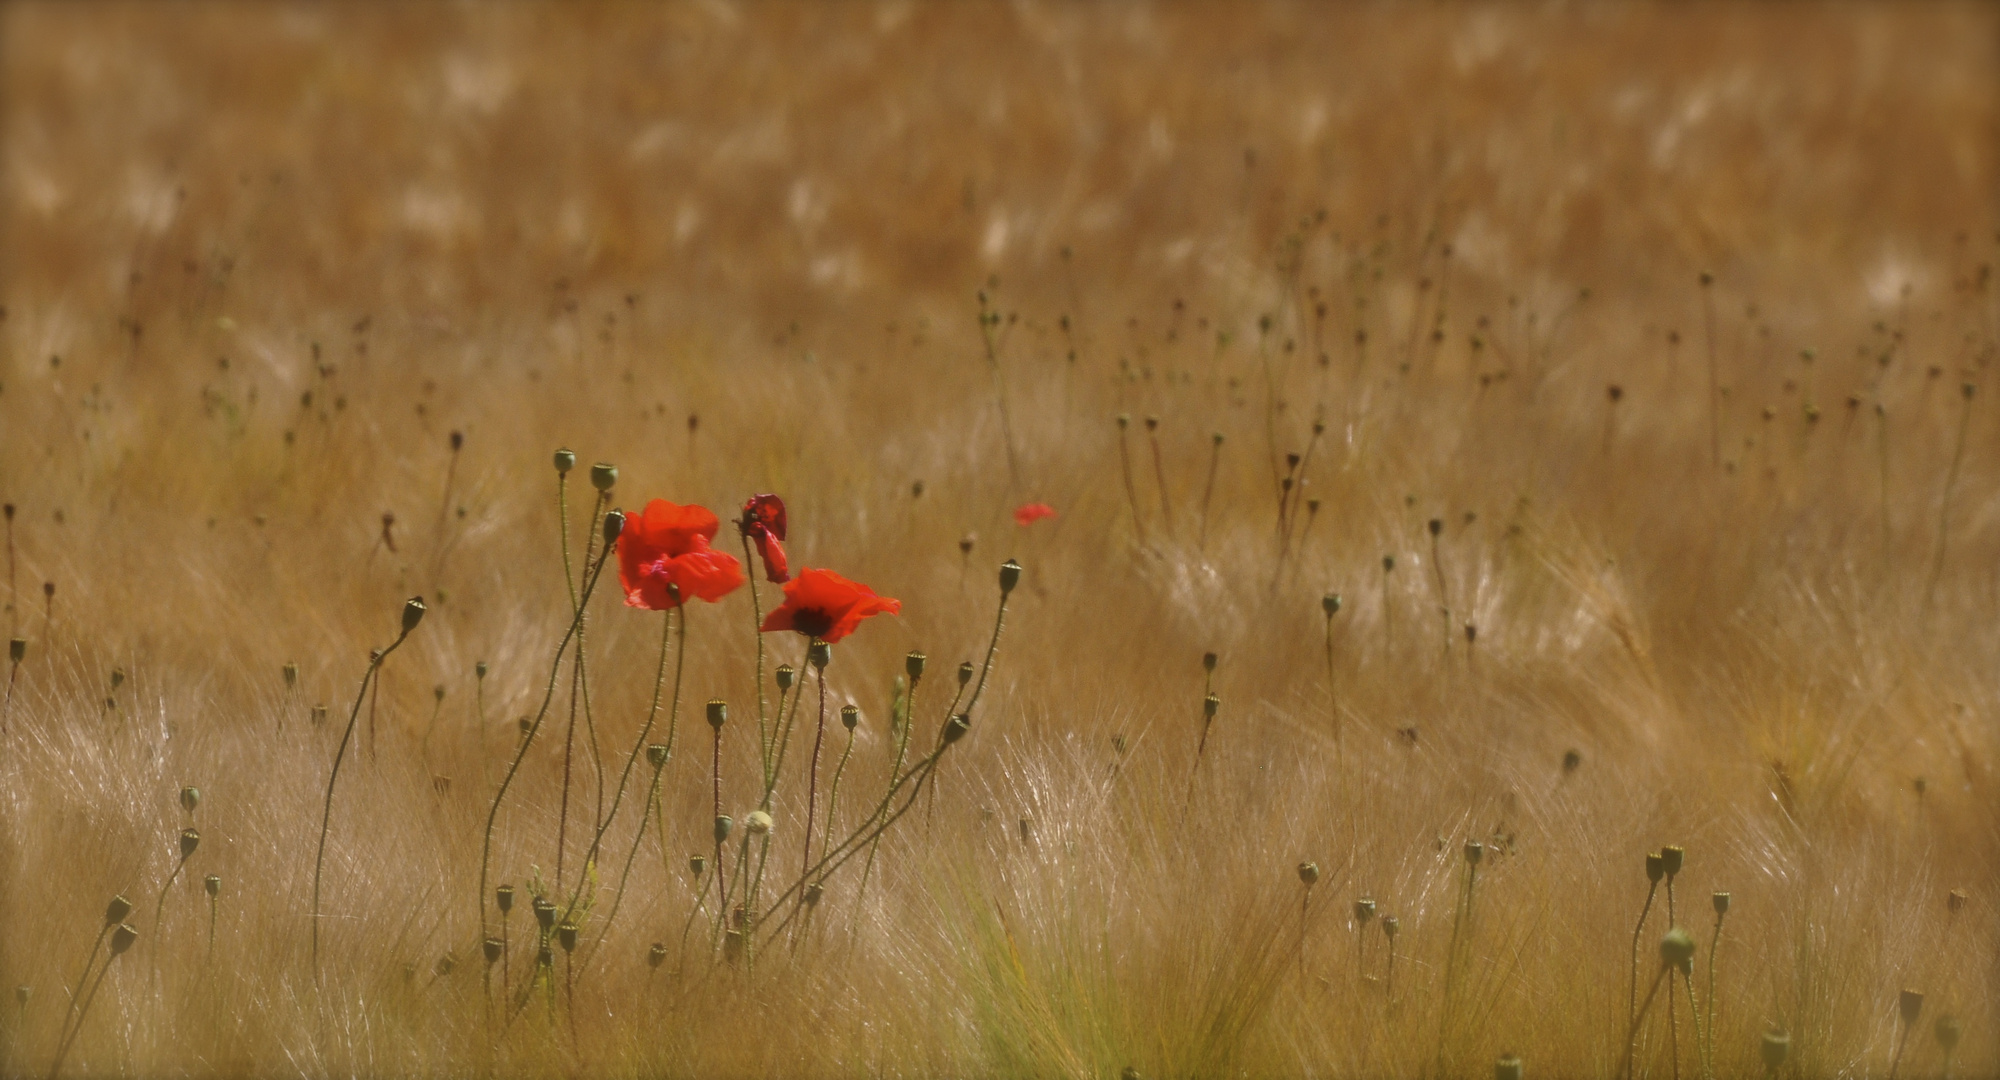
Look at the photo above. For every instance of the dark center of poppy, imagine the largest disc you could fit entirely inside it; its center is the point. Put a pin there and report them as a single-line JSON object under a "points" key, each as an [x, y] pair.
{"points": [[812, 622]]}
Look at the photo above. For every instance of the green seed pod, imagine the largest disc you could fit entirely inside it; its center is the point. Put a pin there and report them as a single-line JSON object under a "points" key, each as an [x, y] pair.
{"points": [[656, 955], [603, 476], [190, 798], [1656, 866], [1330, 604], [413, 613], [1208, 661], [786, 676], [614, 524], [956, 730], [723, 824], [718, 713], [1364, 910], [1209, 706], [850, 717], [1671, 858], [819, 655], [656, 755], [965, 673], [491, 950], [122, 938], [1309, 873], [758, 822], [1474, 851], [190, 840], [566, 935], [1507, 1068], [1911, 1004], [697, 864], [1721, 902], [291, 676], [565, 461], [1676, 948], [212, 885], [1010, 576], [914, 665], [813, 893], [504, 897], [479, 670], [1390, 924], [545, 912], [1776, 1047], [17, 649], [1948, 1031], [116, 910]]}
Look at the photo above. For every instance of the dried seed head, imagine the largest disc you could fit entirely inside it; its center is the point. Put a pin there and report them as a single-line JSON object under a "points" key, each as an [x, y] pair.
{"points": [[723, 824], [1671, 858], [1507, 1068], [956, 730], [850, 717], [545, 912], [1209, 706], [413, 613], [291, 675], [1309, 873], [603, 476], [190, 798], [819, 654], [1474, 851], [758, 822], [614, 523], [1948, 1030], [491, 949], [122, 938], [1330, 604], [190, 840], [457, 441], [566, 935], [1390, 924], [813, 893], [697, 864], [718, 713], [1208, 660], [1721, 902], [1364, 910], [656, 755], [1910, 1004], [565, 461], [965, 673], [116, 910], [1656, 866], [1677, 948], [914, 664], [1010, 576], [785, 677], [1954, 901], [504, 897], [1776, 1047]]}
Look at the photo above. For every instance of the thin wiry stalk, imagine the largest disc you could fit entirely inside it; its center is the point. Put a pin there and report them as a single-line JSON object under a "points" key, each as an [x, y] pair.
{"points": [[1944, 508], [902, 749], [1632, 1030], [812, 785], [1632, 1005]]}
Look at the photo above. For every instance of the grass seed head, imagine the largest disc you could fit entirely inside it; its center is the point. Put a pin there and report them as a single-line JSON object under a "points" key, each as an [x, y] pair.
{"points": [[116, 910], [565, 461], [1507, 1068], [603, 476], [1776, 1047], [1910, 1003], [718, 713], [122, 938], [850, 717], [190, 798], [504, 897], [1309, 873], [1010, 576], [1671, 858], [190, 840], [413, 613], [212, 885]]}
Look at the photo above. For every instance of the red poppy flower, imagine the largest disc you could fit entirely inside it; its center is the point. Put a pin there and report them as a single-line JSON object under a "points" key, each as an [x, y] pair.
{"points": [[1030, 513], [822, 604], [668, 545], [763, 522]]}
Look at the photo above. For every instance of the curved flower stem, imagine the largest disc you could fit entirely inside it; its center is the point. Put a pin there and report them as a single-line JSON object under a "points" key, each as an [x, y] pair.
{"points": [[1639, 1014], [1708, 1039], [326, 817], [579, 695], [548, 695], [902, 749], [757, 628], [638, 838], [69, 1040], [833, 794], [76, 992], [784, 739], [161, 906], [1632, 1005], [812, 786]]}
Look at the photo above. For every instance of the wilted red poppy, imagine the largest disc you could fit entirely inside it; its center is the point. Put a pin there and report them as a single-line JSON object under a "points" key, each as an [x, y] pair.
{"points": [[668, 545], [1030, 513], [763, 522], [822, 604]]}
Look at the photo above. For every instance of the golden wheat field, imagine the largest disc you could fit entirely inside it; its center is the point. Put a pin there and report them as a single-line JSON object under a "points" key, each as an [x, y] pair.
{"points": [[1518, 471]]}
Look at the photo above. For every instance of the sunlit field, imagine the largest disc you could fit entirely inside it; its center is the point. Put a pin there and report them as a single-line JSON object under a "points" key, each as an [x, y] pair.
{"points": [[1524, 479]]}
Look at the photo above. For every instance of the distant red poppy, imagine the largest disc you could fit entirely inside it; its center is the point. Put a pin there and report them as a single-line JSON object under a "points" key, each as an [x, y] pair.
{"points": [[1030, 513], [822, 604], [763, 522], [668, 545]]}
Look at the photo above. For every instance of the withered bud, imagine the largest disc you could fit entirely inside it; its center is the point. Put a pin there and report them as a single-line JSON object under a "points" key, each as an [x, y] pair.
{"points": [[1677, 948], [446, 964], [1209, 705], [813, 893], [1656, 866], [850, 717], [1124, 421], [718, 713], [1364, 910], [1572, 759], [190, 840], [758, 822], [479, 670], [1508, 1067], [965, 543], [1776, 1045], [1208, 660], [565, 461], [413, 613], [438, 693], [1474, 851], [1390, 924], [291, 671], [1010, 576], [504, 896], [1721, 902], [603, 476], [914, 664], [697, 864], [614, 523], [1954, 901], [116, 910], [17, 649], [1948, 1030], [318, 715], [457, 441]]}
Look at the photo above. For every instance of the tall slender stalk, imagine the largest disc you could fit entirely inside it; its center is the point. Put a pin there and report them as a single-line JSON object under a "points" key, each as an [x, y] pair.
{"points": [[819, 653], [1208, 489], [1944, 507]]}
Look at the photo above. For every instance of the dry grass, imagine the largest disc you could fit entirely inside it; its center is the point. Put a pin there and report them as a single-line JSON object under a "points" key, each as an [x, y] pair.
{"points": [[260, 260]]}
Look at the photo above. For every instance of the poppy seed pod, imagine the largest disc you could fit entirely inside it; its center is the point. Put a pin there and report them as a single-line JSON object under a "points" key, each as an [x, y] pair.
{"points": [[965, 544], [1721, 902], [656, 955], [1010, 576], [190, 798], [1364, 910], [118, 676], [956, 730], [491, 949], [1776, 1047], [1948, 1030], [813, 894], [603, 476], [1388, 563], [413, 613], [1208, 660], [1436, 526], [545, 912], [914, 664], [1656, 866], [656, 755], [1676, 948], [1671, 858], [17, 649], [190, 840], [697, 864], [116, 910], [212, 885], [964, 673], [446, 964], [1507, 1068], [438, 693], [723, 824], [1474, 851], [319, 715], [614, 523], [820, 655], [1571, 760], [566, 934], [850, 717], [718, 713], [1910, 1004], [1330, 603], [785, 677], [1390, 924], [504, 897], [1209, 705], [1124, 421], [565, 461], [122, 938], [1309, 873], [1954, 901], [291, 671], [479, 670], [758, 822]]}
